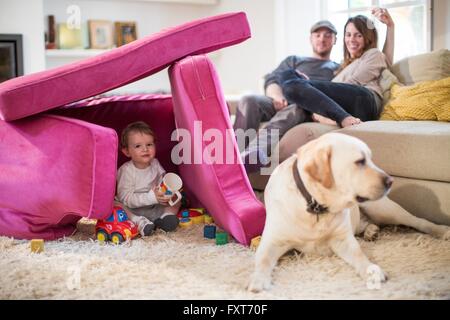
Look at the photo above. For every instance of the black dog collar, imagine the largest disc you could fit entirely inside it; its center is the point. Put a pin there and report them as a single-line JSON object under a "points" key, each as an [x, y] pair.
{"points": [[312, 206]]}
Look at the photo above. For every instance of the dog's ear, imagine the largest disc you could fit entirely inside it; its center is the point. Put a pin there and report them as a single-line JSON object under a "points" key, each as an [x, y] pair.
{"points": [[319, 167]]}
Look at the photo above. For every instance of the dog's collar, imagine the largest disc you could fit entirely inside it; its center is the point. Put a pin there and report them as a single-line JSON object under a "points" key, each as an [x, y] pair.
{"points": [[312, 205]]}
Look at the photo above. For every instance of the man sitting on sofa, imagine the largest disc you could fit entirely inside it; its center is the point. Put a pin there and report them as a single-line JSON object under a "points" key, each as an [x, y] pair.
{"points": [[273, 107]]}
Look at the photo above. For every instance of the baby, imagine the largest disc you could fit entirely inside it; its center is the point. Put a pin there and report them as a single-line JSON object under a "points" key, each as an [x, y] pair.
{"points": [[138, 181]]}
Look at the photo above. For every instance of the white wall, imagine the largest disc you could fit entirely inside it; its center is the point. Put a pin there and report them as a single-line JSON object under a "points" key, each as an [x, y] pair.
{"points": [[241, 67], [294, 23], [25, 17]]}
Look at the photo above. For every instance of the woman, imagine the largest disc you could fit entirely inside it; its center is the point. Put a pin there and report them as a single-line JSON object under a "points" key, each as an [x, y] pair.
{"points": [[354, 95]]}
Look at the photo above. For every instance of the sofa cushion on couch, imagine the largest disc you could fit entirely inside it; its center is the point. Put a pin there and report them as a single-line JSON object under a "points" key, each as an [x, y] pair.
{"points": [[423, 67], [411, 149], [34, 93]]}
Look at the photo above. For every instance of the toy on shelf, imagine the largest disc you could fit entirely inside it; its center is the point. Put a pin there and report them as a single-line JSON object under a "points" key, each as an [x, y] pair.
{"points": [[255, 243], [209, 231], [221, 238], [116, 228], [37, 245]]}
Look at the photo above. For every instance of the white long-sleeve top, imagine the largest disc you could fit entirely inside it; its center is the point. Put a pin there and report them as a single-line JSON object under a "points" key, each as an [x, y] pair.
{"points": [[135, 186]]}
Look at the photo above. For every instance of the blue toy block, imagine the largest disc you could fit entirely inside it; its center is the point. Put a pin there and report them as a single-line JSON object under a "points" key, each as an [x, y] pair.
{"points": [[209, 232], [185, 213]]}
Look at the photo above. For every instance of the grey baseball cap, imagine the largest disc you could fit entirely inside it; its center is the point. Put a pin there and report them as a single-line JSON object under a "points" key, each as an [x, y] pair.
{"points": [[323, 24]]}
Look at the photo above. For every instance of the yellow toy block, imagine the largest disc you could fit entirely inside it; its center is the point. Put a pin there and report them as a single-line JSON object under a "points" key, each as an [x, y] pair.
{"points": [[208, 219], [255, 243], [37, 245]]}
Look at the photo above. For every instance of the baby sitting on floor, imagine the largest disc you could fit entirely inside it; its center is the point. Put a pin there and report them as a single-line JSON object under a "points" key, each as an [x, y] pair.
{"points": [[138, 182]]}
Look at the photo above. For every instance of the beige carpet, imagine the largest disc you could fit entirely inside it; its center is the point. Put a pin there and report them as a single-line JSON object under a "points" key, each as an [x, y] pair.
{"points": [[184, 265]]}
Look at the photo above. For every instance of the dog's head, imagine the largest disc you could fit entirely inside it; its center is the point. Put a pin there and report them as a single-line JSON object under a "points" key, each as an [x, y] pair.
{"points": [[339, 172]]}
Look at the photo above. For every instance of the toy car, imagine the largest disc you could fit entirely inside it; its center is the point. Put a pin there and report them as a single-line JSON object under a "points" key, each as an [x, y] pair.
{"points": [[116, 228]]}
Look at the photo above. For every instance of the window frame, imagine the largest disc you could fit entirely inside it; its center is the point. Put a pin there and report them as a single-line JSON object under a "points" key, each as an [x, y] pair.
{"points": [[325, 13]]}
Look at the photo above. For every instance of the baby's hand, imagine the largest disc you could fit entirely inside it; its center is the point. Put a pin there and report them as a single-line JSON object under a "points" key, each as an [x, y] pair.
{"points": [[161, 197]]}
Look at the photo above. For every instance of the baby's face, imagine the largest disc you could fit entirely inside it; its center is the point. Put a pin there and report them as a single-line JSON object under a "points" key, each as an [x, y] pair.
{"points": [[141, 149]]}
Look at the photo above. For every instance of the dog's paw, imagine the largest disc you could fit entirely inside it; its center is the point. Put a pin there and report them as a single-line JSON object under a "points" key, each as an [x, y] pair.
{"points": [[258, 283], [371, 232], [446, 235], [441, 232], [374, 276]]}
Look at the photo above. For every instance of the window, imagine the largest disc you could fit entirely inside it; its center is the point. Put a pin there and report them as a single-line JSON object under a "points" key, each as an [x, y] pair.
{"points": [[412, 23]]}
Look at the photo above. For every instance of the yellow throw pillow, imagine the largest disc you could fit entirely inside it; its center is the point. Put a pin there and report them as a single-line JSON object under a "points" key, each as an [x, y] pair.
{"points": [[428, 100]]}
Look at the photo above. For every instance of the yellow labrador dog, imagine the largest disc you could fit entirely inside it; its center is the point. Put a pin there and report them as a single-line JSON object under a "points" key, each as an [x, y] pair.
{"points": [[313, 201]]}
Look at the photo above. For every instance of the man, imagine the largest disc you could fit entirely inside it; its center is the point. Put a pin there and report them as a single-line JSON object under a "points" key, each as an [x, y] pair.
{"points": [[273, 107]]}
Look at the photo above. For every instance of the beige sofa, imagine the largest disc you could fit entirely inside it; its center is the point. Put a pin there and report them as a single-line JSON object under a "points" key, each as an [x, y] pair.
{"points": [[415, 153]]}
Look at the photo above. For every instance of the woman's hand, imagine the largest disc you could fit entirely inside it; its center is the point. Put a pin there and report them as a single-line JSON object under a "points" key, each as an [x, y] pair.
{"points": [[383, 16]]}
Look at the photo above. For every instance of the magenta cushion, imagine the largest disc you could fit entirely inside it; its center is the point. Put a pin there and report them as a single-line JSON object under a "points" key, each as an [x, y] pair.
{"points": [[221, 186], [54, 170], [34, 93]]}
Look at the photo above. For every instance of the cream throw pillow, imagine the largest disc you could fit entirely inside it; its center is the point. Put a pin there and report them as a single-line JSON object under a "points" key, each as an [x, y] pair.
{"points": [[424, 67]]}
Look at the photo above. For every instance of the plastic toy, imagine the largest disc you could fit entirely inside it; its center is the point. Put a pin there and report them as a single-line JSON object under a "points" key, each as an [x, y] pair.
{"points": [[198, 219], [208, 219], [255, 243], [37, 245], [116, 228], [195, 215], [185, 222], [221, 238], [200, 210], [209, 232]]}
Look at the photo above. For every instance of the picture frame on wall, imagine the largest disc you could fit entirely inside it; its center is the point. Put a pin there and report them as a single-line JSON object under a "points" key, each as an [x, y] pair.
{"points": [[100, 34], [126, 32]]}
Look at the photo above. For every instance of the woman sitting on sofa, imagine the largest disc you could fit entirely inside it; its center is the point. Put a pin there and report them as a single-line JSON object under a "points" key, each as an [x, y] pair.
{"points": [[354, 95]]}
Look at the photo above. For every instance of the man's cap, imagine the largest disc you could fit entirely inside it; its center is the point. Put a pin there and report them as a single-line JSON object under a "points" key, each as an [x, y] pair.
{"points": [[323, 24]]}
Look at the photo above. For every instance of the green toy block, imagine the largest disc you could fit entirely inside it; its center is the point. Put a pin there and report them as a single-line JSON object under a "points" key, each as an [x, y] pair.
{"points": [[221, 238]]}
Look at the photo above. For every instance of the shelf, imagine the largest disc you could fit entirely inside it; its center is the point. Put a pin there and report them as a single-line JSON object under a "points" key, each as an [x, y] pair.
{"points": [[73, 53]]}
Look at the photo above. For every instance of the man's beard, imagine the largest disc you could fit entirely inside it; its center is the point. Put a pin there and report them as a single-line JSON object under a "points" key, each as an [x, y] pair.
{"points": [[323, 54]]}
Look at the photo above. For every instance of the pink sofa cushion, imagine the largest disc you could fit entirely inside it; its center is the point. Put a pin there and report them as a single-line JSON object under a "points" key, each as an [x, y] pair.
{"points": [[221, 186], [34, 93], [54, 170]]}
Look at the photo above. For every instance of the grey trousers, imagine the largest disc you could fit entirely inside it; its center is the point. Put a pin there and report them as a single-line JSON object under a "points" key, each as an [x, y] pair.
{"points": [[254, 109]]}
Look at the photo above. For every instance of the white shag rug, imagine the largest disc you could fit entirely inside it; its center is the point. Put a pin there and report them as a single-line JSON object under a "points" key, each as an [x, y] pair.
{"points": [[184, 265]]}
